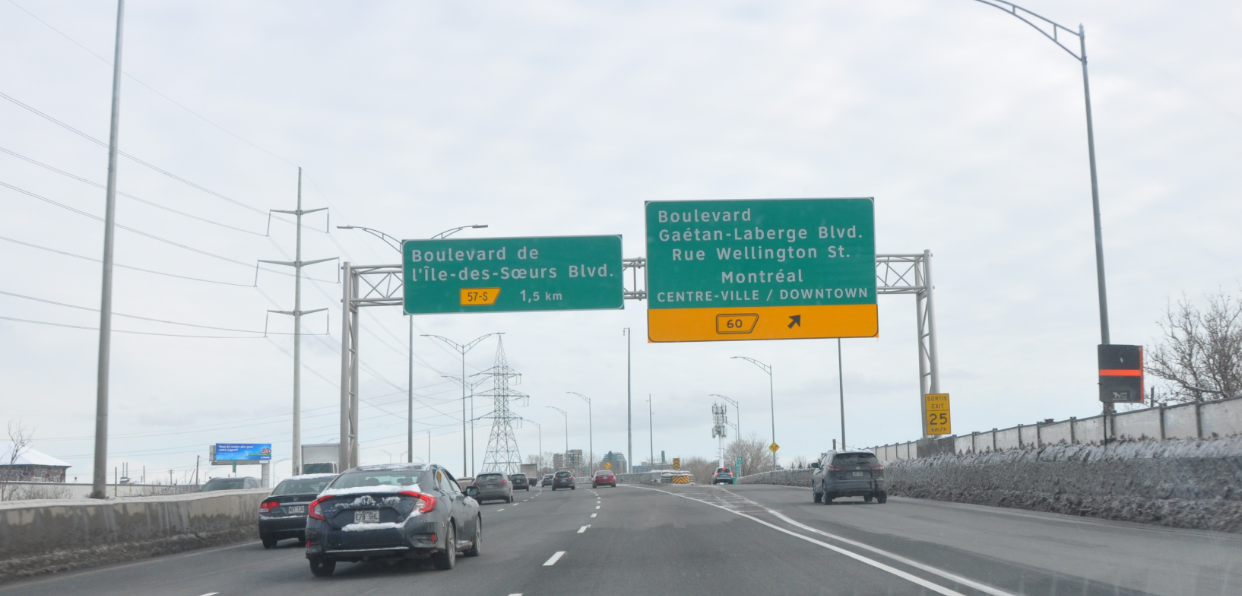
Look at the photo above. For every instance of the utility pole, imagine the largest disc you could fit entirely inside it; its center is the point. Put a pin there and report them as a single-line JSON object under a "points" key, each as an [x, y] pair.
{"points": [[99, 478], [297, 313], [771, 399], [629, 408]]}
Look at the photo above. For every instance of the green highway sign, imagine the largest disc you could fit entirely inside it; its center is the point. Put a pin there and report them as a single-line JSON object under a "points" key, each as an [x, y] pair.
{"points": [[761, 269], [512, 274]]}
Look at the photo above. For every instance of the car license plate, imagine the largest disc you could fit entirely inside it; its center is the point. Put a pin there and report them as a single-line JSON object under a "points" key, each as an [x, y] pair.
{"points": [[295, 508], [857, 474], [366, 517]]}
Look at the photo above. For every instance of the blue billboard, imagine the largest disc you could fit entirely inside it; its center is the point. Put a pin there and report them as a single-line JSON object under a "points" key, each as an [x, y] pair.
{"points": [[243, 452]]}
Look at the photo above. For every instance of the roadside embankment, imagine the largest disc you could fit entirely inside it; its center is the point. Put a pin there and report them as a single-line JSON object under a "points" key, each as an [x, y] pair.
{"points": [[46, 536], [1178, 483]]}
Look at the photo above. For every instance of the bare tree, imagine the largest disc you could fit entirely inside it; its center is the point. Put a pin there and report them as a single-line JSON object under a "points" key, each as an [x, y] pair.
{"points": [[754, 453], [798, 462], [20, 437], [1200, 351]]}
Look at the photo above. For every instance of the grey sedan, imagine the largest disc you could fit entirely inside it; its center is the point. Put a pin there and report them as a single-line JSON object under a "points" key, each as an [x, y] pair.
{"points": [[493, 486], [392, 511]]}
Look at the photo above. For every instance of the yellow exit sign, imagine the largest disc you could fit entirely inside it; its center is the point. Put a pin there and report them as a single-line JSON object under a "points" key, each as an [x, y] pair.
{"points": [[938, 421]]}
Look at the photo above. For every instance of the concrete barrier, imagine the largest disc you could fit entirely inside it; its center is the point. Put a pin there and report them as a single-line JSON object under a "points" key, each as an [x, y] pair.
{"points": [[46, 536], [801, 477], [1178, 483], [641, 478]]}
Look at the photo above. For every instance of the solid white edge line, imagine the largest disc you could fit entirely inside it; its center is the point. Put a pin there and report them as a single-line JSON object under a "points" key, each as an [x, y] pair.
{"points": [[945, 574], [937, 588], [554, 558]]}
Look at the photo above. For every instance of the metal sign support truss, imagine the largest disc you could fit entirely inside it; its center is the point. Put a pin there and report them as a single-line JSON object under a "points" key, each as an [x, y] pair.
{"points": [[381, 285]]}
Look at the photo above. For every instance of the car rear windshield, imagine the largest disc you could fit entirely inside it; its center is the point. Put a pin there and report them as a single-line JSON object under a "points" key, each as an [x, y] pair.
{"points": [[376, 478], [490, 477], [603, 473], [854, 459], [518, 477], [306, 486], [562, 474], [224, 484]]}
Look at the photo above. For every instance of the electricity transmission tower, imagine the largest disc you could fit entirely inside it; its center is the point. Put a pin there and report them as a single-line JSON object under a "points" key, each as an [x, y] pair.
{"points": [[502, 449]]}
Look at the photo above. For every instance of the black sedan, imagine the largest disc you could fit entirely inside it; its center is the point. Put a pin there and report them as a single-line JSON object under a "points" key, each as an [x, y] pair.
{"points": [[283, 513], [392, 511]]}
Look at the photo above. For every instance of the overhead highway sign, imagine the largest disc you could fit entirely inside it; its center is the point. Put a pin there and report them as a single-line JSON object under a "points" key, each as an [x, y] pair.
{"points": [[761, 269], [512, 274]]}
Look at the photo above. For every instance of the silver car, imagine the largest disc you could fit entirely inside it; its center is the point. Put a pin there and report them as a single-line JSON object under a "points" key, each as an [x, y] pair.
{"points": [[493, 486], [848, 474]]}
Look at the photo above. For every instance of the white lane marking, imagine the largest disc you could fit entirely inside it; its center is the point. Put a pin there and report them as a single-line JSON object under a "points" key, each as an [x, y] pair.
{"points": [[594, 514], [583, 528], [597, 506], [516, 594], [949, 576], [211, 594], [937, 588], [552, 561], [499, 510]]}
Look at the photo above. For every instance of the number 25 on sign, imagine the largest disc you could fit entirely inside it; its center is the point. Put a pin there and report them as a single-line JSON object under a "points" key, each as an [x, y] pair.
{"points": [[936, 407]]}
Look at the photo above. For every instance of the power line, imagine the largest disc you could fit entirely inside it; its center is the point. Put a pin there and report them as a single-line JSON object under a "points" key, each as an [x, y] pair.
{"points": [[150, 88], [127, 195], [15, 319], [92, 259], [53, 302]]}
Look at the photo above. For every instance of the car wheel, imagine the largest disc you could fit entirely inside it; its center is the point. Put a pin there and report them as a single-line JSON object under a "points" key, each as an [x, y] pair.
{"points": [[553, 489], [268, 541], [827, 500], [302, 538], [478, 538], [867, 498], [573, 488], [817, 496], [447, 560], [322, 567], [882, 498]]}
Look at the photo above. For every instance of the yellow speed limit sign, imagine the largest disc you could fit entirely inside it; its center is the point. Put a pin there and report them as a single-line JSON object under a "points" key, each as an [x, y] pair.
{"points": [[938, 421]]}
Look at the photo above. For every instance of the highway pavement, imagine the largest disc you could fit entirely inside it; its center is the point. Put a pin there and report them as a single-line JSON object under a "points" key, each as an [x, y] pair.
{"points": [[748, 539]]}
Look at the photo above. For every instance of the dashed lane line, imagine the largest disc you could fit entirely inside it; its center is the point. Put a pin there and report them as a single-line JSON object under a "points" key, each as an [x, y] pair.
{"points": [[594, 514], [554, 558], [583, 529], [937, 588]]}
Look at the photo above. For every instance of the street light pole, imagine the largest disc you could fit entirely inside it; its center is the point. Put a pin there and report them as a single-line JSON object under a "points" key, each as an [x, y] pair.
{"points": [[395, 244], [566, 415], [771, 399], [1038, 23], [591, 427], [472, 418], [629, 408], [539, 460], [650, 432], [841, 381], [462, 349]]}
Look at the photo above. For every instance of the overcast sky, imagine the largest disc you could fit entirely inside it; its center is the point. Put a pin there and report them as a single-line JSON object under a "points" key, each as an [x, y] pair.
{"points": [[559, 118]]}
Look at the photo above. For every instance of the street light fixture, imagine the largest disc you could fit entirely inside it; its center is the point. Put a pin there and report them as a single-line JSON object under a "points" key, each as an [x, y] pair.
{"points": [[1035, 22], [395, 244], [737, 425], [590, 426], [563, 413], [771, 399], [462, 349]]}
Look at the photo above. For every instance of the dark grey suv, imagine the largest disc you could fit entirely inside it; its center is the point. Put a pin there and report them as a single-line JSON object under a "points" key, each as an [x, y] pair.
{"points": [[848, 474], [392, 511], [283, 513]]}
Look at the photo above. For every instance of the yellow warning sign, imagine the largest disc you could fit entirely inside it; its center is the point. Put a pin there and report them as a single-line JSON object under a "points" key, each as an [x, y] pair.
{"points": [[938, 421], [607, 465], [773, 447], [676, 463]]}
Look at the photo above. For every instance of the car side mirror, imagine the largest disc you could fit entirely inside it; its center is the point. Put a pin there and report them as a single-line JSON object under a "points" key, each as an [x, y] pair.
{"points": [[815, 465], [472, 491]]}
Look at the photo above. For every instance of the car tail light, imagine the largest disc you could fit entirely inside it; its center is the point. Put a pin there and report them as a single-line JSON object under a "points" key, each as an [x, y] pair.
{"points": [[877, 468], [266, 506], [426, 502], [315, 509], [503, 482], [475, 483], [835, 468]]}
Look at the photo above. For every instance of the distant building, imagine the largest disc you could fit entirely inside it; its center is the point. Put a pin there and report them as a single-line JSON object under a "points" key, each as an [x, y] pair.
{"points": [[574, 461], [616, 459], [558, 461], [30, 465]]}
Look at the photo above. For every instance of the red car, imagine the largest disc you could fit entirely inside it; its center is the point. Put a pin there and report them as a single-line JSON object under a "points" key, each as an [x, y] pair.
{"points": [[604, 477]]}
